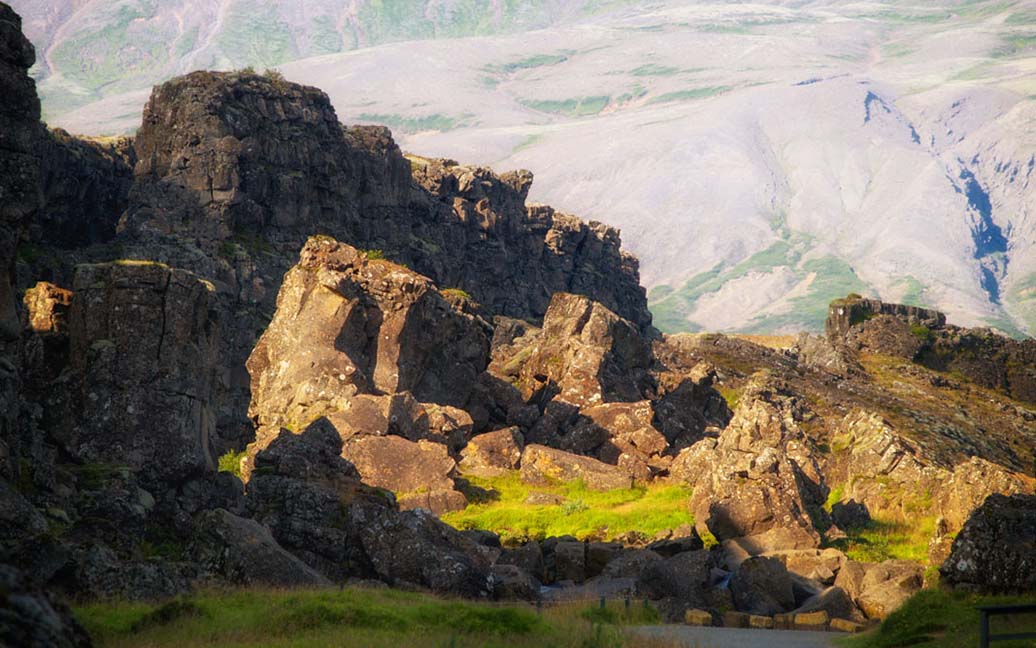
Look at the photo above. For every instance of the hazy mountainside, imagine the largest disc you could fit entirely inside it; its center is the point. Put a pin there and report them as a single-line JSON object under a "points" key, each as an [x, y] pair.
{"points": [[761, 159]]}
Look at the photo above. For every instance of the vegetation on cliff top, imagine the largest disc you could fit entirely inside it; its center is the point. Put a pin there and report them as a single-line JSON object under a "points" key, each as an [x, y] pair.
{"points": [[500, 505]]}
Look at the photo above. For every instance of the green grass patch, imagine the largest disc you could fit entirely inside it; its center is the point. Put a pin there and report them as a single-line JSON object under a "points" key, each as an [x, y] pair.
{"points": [[834, 497], [730, 394], [498, 505], [574, 107], [651, 69], [456, 292], [888, 539], [947, 619], [405, 124], [531, 62], [347, 617], [691, 94]]}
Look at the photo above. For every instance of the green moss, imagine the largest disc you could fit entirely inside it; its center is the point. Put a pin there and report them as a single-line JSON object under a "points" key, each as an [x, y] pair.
{"points": [[834, 497], [456, 292], [583, 513], [373, 254], [922, 333], [231, 462], [730, 394]]}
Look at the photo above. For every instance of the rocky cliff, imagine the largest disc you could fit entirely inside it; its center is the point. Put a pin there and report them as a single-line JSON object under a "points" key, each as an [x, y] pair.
{"points": [[362, 382]]}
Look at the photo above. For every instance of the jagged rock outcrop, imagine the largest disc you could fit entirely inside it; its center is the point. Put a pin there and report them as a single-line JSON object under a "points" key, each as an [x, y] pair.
{"points": [[419, 473], [316, 507], [353, 325], [586, 355], [922, 335], [886, 473], [996, 550], [761, 473], [85, 184]]}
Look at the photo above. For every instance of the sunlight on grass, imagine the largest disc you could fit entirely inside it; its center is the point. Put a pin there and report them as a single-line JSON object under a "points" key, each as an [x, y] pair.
{"points": [[499, 505], [939, 618], [348, 617], [886, 539]]}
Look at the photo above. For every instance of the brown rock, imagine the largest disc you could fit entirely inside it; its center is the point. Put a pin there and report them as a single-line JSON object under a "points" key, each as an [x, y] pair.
{"points": [[811, 620], [417, 472], [353, 325], [543, 465], [995, 549], [492, 454], [762, 586]]}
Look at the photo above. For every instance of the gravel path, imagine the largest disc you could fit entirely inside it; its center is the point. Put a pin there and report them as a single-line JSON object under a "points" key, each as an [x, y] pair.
{"points": [[695, 637]]}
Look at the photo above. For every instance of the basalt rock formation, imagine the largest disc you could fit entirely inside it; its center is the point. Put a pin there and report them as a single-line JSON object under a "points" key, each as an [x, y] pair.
{"points": [[374, 333]]}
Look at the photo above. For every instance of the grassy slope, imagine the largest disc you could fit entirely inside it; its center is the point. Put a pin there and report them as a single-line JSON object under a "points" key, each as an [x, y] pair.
{"points": [[499, 505], [937, 618], [351, 617]]}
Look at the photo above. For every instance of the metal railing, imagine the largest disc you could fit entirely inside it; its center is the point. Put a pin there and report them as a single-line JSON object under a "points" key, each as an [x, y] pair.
{"points": [[989, 611]]}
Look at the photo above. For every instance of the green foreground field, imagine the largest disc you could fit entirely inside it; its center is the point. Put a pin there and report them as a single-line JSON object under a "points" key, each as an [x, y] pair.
{"points": [[948, 620], [354, 617]]}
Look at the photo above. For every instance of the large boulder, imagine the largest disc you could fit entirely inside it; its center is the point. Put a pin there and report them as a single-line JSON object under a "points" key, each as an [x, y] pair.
{"points": [[762, 586], [493, 454], [419, 473], [587, 355], [879, 589], [543, 465], [995, 552], [416, 549], [243, 552], [347, 324], [143, 342]]}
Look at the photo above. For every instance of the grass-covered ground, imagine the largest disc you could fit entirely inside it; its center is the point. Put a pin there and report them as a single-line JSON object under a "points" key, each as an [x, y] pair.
{"points": [[354, 617], [499, 505], [949, 620]]}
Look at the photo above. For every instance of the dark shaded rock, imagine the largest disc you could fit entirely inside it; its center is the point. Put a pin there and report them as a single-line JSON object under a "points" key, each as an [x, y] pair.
{"points": [[242, 551], [996, 549], [100, 573], [836, 602], [529, 557], [677, 541], [684, 577], [143, 343], [542, 465], [762, 586], [413, 547], [31, 617], [511, 582], [844, 314]]}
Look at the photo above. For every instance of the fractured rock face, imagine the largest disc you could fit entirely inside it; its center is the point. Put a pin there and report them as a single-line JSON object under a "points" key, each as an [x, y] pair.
{"points": [[31, 617], [244, 553], [142, 347], [760, 474], [348, 325], [587, 355]]}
